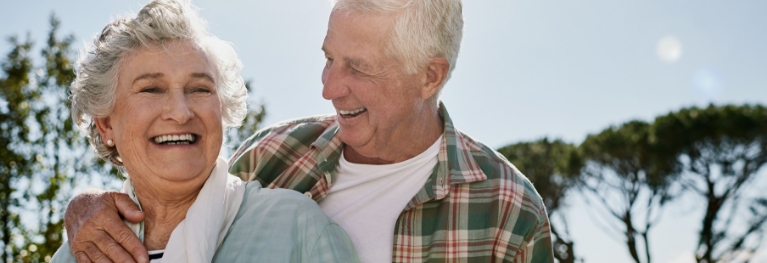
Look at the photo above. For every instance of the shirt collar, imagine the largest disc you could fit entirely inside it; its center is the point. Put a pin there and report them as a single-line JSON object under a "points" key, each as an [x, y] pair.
{"points": [[455, 162], [330, 147]]}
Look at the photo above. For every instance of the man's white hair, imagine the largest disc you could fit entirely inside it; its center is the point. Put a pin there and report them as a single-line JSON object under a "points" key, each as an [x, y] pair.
{"points": [[421, 30]]}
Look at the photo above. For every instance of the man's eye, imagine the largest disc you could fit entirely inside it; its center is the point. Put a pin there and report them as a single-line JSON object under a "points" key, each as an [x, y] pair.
{"points": [[356, 71]]}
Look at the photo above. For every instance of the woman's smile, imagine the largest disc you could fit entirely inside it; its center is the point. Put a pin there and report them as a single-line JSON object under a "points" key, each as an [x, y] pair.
{"points": [[177, 139]]}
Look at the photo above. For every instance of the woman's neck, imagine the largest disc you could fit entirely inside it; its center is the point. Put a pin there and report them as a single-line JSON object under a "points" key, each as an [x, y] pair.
{"points": [[165, 209]]}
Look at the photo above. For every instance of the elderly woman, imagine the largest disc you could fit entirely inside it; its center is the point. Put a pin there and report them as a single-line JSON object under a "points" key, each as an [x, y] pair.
{"points": [[155, 93]]}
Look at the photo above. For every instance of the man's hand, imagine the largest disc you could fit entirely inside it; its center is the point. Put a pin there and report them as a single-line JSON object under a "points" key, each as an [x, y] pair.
{"points": [[97, 233]]}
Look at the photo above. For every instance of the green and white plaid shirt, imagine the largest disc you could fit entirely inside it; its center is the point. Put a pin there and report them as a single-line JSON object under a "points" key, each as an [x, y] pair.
{"points": [[475, 206]]}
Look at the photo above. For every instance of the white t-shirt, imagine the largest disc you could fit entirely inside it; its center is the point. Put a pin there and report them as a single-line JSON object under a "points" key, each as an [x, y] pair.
{"points": [[366, 200]]}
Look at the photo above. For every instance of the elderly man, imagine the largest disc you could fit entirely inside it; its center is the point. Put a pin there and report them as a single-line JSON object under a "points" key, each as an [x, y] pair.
{"points": [[389, 166]]}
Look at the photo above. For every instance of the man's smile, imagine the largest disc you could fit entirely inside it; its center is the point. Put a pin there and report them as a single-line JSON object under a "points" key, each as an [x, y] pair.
{"points": [[352, 113]]}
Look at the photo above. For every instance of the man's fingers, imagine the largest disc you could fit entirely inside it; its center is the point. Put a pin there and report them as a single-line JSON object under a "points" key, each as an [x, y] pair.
{"points": [[128, 241], [81, 257], [127, 208], [110, 250], [79, 209], [94, 255], [99, 232]]}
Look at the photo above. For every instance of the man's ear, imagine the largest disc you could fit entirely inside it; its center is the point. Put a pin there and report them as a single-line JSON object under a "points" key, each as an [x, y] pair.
{"points": [[436, 73], [104, 126]]}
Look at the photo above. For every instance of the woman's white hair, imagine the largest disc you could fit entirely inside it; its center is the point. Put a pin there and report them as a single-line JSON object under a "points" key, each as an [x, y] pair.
{"points": [[160, 21], [421, 30]]}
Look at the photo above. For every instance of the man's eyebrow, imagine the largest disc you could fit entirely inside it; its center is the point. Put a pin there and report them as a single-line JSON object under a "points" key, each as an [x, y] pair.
{"points": [[203, 76], [148, 76], [358, 63], [355, 62]]}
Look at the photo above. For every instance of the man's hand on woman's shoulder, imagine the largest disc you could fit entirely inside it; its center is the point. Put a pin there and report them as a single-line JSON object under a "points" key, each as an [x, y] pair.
{"points": [[95, 229]]}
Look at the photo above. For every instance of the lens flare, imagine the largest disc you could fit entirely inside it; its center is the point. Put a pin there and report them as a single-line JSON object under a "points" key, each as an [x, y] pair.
{"points": [[669, 49]]}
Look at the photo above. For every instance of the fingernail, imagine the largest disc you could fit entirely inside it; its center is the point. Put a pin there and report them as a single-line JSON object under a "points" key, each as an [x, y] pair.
{"points": [[143, 259]]}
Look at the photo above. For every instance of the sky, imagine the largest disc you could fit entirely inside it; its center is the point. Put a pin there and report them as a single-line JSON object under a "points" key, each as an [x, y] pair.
{"points": [[526, 70]]}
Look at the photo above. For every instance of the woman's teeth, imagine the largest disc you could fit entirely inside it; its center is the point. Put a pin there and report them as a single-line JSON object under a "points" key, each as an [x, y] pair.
{"points": [[352, 113], [175, 139]]}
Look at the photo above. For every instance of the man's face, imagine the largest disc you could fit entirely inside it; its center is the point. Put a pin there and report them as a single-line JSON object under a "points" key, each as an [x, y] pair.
{"points": [[376, 102]]}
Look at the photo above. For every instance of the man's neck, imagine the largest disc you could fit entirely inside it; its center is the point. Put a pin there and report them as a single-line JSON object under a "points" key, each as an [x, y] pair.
{"points": [[404, 147]]}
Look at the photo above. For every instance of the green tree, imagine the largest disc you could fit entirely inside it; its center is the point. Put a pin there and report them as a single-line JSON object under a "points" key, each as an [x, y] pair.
{"points": [[630, 179], [43, 153], [554, 168], [721, 150], [251, 123], [16, 167]]}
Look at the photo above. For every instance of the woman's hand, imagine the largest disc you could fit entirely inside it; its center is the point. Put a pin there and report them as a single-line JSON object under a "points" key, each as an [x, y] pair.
{"points": [[96, 231]]}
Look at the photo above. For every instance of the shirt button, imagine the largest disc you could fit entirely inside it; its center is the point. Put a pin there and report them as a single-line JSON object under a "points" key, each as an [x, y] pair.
{"points": [[308, 194], [439, 181], [327, 178]]}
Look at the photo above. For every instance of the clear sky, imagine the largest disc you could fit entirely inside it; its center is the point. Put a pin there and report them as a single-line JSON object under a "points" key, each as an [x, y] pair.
{"points": [[527, 69]]}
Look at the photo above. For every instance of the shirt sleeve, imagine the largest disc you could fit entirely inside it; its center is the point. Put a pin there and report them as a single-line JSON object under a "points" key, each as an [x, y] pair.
{"points": [[539, 247], [243, 162]]}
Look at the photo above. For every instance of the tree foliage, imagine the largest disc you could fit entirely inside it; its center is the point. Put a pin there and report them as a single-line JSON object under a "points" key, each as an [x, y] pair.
{"points": [[628, 178], [251, 123], [721, 149], [43, 154], [553, 167], [629, 173], [16, 165]]}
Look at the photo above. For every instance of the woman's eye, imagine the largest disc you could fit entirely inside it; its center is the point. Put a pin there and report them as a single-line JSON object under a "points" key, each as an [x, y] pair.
{"points": [[201, 90], [151, 90]]}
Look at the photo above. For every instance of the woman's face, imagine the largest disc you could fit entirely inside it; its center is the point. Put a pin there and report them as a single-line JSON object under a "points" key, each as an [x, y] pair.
{"points": [[166, 123]]}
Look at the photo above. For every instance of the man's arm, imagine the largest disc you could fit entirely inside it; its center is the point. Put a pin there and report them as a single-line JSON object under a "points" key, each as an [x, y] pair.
{"points": [[542, 250], [96, 232], [539, 247]]}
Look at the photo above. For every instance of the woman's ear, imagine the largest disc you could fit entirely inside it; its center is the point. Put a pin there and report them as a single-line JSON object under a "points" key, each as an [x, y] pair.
{"points": [[104, 126]]}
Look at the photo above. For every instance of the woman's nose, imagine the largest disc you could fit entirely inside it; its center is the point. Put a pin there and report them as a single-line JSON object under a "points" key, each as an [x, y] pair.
{"points": [[177, 108]]}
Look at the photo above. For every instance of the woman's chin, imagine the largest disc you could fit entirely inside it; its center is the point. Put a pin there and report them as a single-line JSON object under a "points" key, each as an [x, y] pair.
{"points": [[161, 171]]}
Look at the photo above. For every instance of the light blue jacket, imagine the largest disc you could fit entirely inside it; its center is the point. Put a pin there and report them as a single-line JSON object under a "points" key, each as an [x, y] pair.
{"points": [[275, 225]]}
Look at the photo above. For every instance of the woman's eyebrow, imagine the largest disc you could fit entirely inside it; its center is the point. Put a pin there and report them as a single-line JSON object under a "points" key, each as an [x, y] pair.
{"points": [[203, 76], [148, 76]]}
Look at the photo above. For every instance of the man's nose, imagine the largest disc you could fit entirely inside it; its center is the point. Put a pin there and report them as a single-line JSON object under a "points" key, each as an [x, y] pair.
{"points": [[334, 84], [177, 108]]}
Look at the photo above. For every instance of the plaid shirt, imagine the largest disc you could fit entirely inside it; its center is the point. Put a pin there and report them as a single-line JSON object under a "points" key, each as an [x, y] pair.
{"points": [[475, 206]]}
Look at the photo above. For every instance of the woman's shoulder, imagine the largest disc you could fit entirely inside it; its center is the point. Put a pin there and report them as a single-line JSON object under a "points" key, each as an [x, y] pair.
{"points": [[255, 192], [278, 203], [63, 254], [280, 225]]}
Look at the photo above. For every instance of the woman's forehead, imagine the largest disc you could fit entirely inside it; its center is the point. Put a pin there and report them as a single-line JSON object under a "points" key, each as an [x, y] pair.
{"points": [[176, 57]]}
